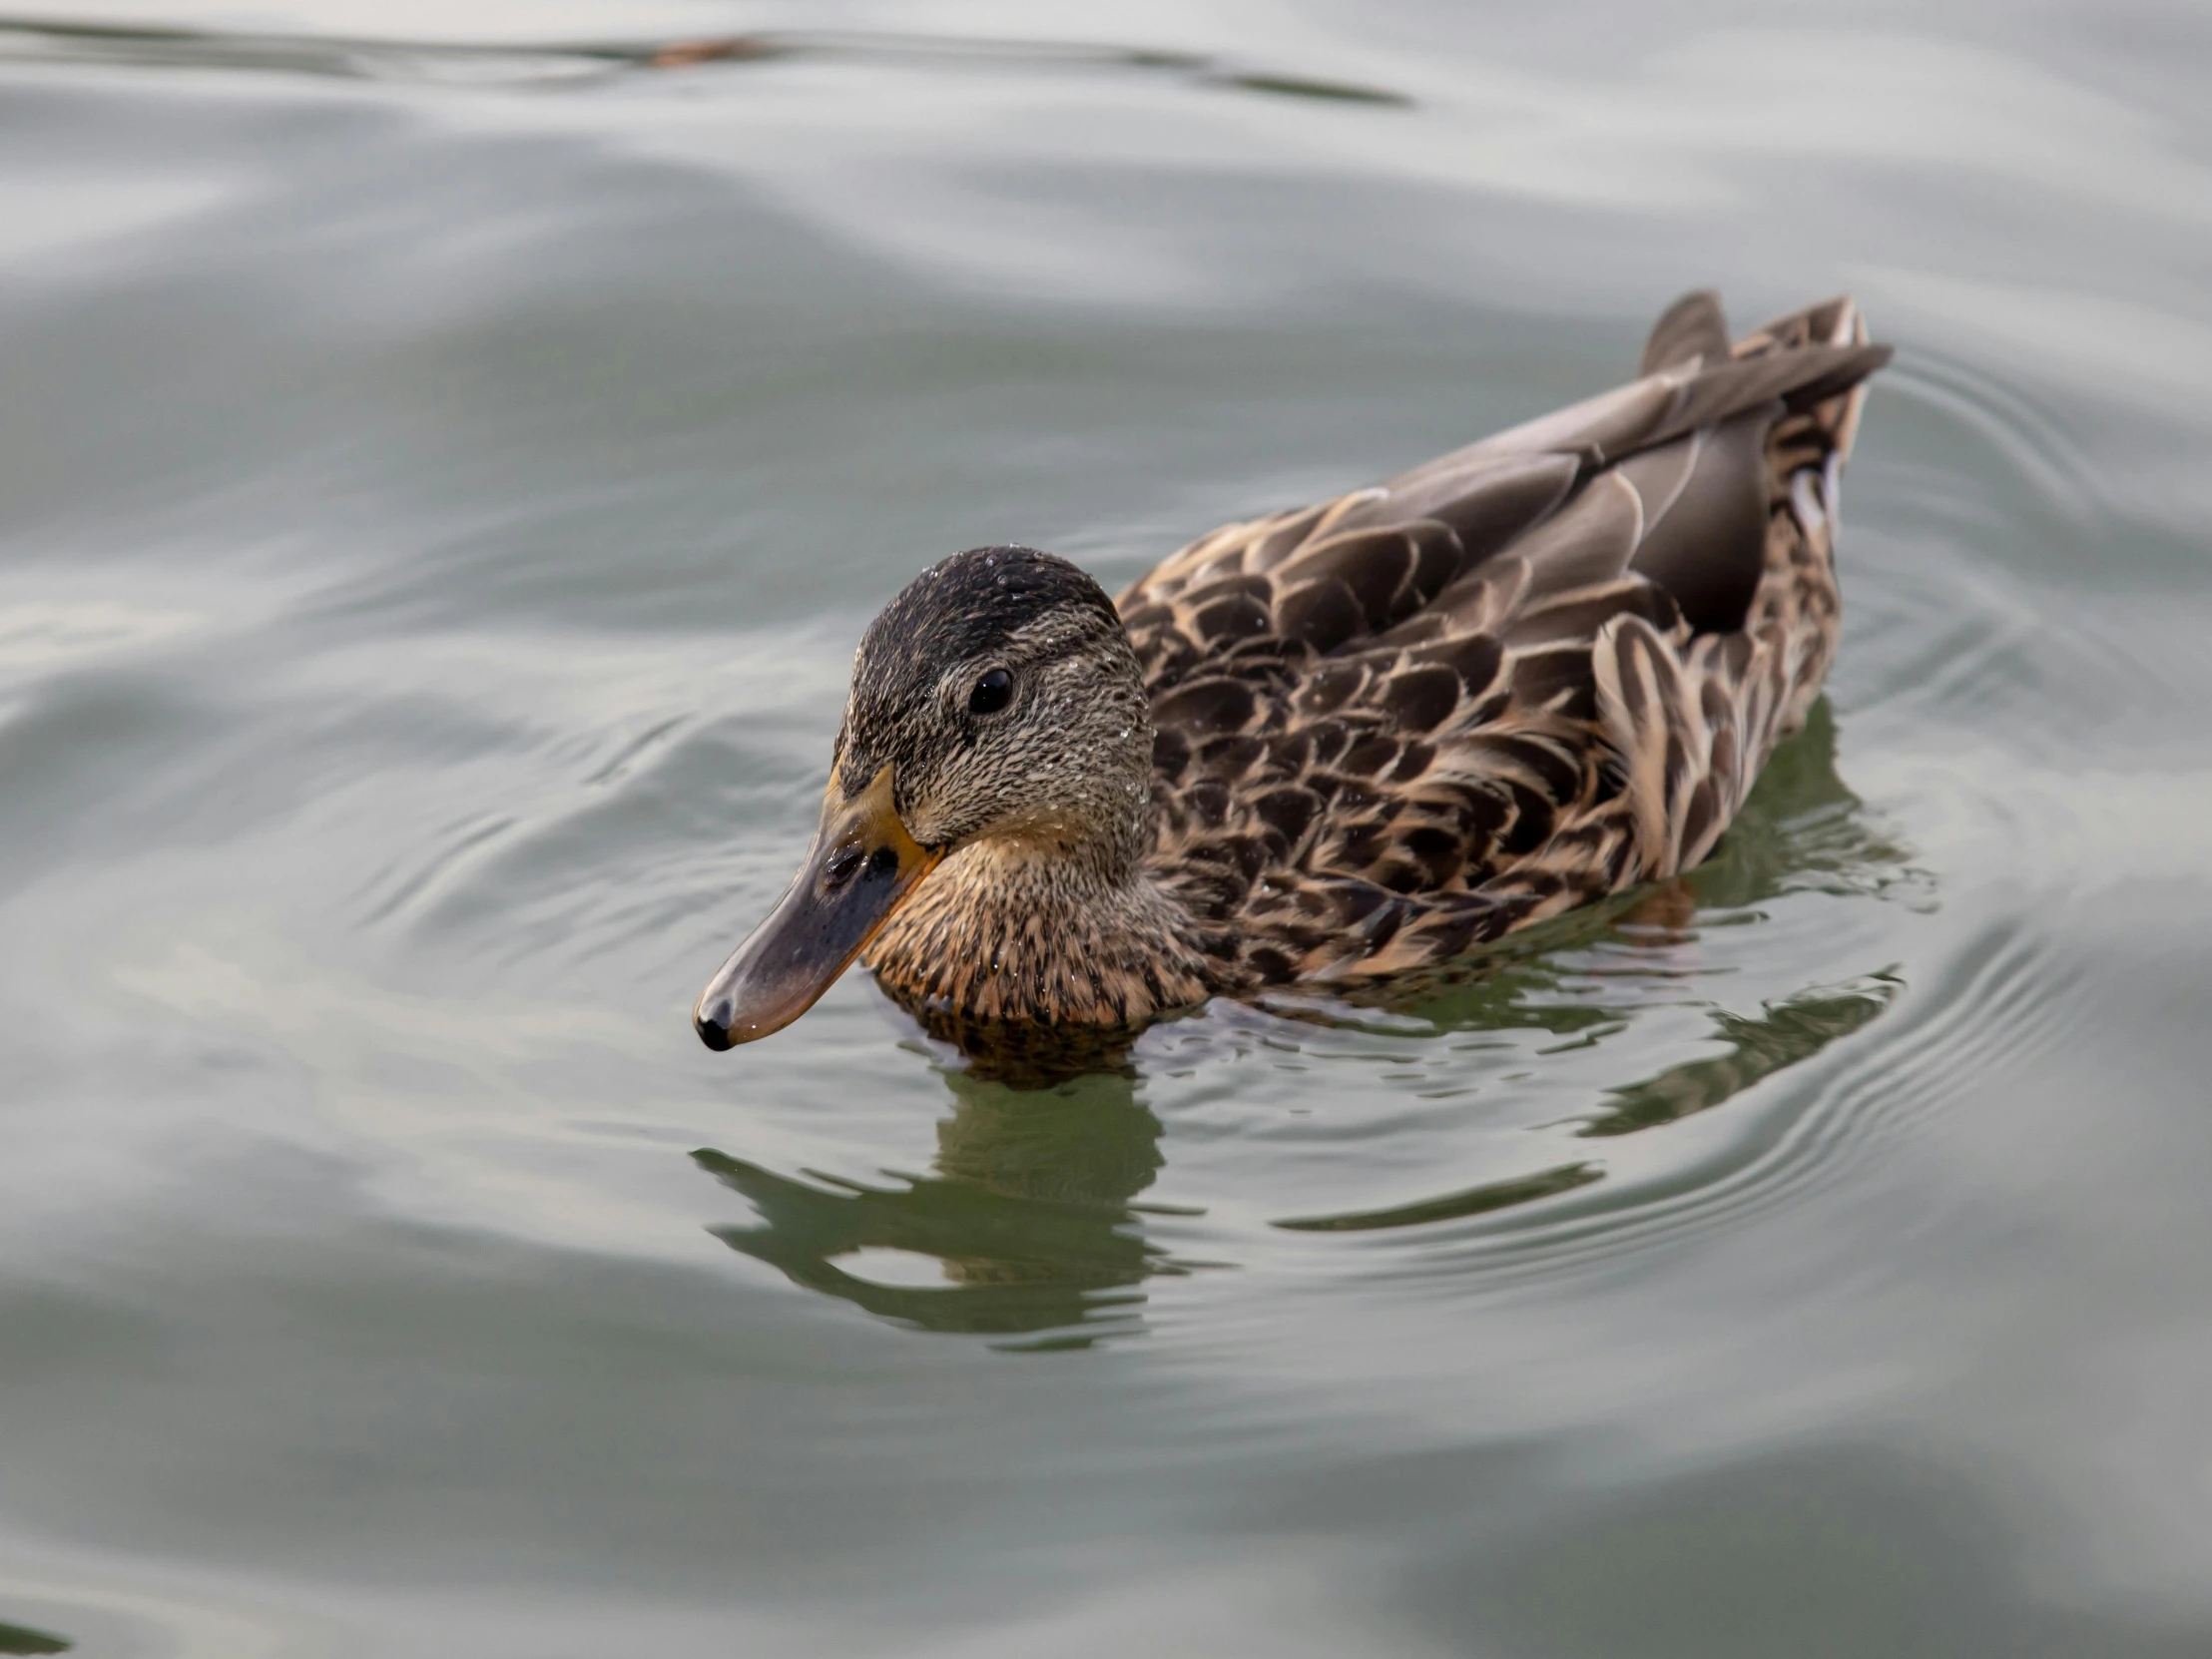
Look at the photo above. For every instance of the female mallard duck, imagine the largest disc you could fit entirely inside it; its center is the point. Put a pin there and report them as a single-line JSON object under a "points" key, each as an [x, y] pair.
{"points": [[1338, 743]]}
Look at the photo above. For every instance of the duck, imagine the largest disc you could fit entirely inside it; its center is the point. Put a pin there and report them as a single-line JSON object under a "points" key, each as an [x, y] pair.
{"points": [[1334, 744]]}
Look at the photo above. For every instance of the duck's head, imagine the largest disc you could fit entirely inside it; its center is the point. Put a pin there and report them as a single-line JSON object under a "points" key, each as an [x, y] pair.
{"points": [[997, 699]]}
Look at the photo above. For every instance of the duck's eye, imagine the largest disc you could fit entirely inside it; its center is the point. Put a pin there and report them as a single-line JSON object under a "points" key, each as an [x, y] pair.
{"points": [[993, 693]]}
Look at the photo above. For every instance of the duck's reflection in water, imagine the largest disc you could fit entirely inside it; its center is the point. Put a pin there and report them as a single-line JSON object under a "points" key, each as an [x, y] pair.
{"points": [[21, 1638], [1028, 1221], [1026, 1224]]}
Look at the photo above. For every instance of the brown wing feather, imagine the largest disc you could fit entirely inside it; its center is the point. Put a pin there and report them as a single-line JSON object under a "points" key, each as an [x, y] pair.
{"points": [[1401, 722]]}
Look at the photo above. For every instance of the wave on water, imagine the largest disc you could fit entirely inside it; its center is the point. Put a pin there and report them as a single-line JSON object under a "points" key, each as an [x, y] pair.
{"points": [[571, 63]]}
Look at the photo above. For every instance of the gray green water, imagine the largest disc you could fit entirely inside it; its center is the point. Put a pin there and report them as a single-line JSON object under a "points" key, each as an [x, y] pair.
{"points": [[439, 492]]}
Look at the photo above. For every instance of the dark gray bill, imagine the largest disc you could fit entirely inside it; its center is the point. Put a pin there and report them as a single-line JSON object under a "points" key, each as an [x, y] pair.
{"points": [[860, 868]]}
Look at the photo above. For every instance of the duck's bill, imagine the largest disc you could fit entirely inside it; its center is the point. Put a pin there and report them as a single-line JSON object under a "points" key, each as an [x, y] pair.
{"points": [[862, 867]]}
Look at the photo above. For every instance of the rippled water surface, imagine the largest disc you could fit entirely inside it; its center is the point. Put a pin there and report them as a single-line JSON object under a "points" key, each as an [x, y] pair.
{"points": [[449, 454]]}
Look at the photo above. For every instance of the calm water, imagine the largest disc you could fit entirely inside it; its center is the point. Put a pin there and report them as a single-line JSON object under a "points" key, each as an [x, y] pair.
{"points": [[439, 494]]}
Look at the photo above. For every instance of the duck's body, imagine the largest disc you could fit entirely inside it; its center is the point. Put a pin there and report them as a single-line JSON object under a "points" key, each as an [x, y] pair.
{"points": [[1366, 737]]}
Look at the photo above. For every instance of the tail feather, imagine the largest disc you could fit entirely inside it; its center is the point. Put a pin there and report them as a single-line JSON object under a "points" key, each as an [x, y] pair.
{"points": [[1693, 327]]}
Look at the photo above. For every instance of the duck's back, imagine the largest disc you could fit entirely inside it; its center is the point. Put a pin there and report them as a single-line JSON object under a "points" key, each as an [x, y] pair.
{"points": [[1532, 672]]}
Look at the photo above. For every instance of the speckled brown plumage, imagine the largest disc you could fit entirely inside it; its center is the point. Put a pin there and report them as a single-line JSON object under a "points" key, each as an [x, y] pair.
{"points": [[1386, 729]]}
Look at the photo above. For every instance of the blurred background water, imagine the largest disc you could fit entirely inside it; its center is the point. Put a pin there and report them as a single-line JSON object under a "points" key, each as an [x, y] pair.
{"points": [[447, 457]]}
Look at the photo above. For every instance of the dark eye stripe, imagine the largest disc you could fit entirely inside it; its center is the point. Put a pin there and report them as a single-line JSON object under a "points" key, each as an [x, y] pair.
{"points": [[993, 693]]}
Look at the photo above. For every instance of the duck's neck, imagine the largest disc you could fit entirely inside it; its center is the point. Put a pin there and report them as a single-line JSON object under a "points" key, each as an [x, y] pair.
{"points": [[1034, 929]]}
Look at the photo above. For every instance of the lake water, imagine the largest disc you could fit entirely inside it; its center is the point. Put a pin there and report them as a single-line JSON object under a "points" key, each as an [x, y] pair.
{"points": [[449, 454]]}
